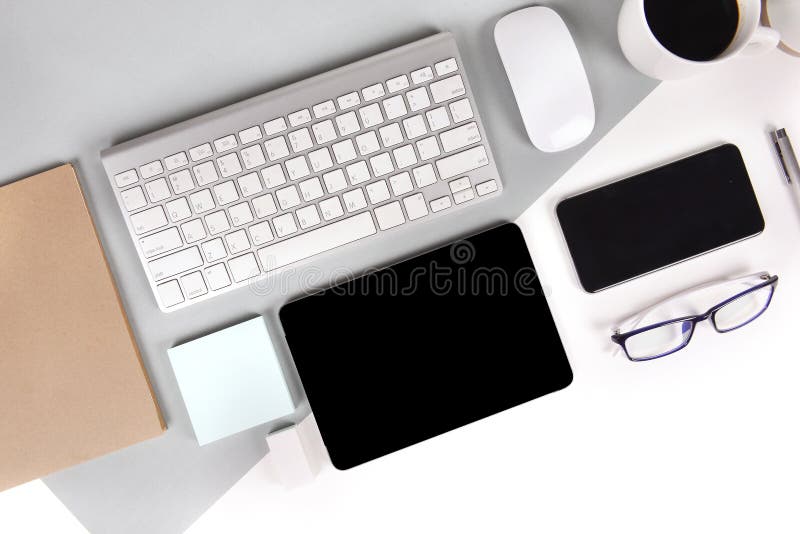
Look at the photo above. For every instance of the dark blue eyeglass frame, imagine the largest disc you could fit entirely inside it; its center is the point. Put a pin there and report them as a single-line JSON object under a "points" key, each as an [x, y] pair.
{"points": [[693, 320]]}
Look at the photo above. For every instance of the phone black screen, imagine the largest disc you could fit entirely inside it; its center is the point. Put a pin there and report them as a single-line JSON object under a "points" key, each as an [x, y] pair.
{"points": [[425, 346], [660, 217]]}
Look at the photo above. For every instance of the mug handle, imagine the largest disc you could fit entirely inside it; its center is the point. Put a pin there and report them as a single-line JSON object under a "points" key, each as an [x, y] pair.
{"points": [[763, 40]]}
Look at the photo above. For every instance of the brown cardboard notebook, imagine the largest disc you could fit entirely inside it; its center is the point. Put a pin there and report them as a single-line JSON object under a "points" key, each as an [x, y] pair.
{"points": [[72, 384]]}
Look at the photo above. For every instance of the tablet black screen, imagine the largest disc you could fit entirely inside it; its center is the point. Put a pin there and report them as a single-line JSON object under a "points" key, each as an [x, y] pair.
{"points": [[428, 345]]}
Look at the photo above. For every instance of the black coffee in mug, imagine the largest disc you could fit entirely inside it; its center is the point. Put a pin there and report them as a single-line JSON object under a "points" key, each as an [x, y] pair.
{"points": [[698, 30]]}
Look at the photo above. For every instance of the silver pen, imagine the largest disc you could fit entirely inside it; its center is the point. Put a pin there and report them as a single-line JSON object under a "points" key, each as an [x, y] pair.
{"points": [[788, 160]]}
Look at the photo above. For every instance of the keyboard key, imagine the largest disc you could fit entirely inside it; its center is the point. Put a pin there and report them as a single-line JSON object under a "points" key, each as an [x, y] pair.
{"points": [[463, 196], [371, 115], [347, 123], [334, 181], [288, 197], [176, 160], [297, 167], [151, 169], [176, 263], [414, 126], [372, 92], [253, 156], [217, 222], [181, 182], [428, 148], [378, 191], [424, 176], [205, 173], [261, 233], [126, 178], [354, 200], [324, 132], [214, 250], [344, 151], [358, 173], [401, 183], [273, 176], [418, 99], [381, 164], [249, 184], [320, 159], [284, 225], [460, 184], [264, 206], [394, 107], [398, 83], [300, 117], [462, 162], [244, 267], [148, 220], [202, 201], [440, 204], [193, 285], [225, 193], [422, 75], [157, 190], [217, 276], [323, 109], [367, 143], [405, 156], [461, 110], [308, 216], [201, 152], [484, 188], [240, 214], [460, 137], [390, 215], [226, 143], [133, 198], [448, 88], [237, 242], [300, 140], [311, 189], [229, 165], [316, 241], [193, 231], [348, 101], [437, 119], [391, 135], [415, 206], [250, 134], [331, 208], [178, 210], [170, 293], [274, 126], [276, 148], [160, 242], [446, 67]]}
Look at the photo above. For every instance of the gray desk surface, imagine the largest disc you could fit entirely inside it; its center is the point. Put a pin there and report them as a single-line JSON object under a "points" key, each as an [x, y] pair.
{"points": [[80, 76]]}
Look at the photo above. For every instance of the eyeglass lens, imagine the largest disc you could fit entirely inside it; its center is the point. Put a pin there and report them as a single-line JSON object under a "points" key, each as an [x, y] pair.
{"points": [[659, 341]]}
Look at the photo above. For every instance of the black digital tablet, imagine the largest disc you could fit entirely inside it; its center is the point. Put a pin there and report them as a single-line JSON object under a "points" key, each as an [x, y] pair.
{"points": [[406, 353]]}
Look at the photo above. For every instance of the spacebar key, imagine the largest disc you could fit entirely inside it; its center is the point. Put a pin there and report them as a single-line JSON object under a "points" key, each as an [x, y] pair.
{"points": [[316, 241]]}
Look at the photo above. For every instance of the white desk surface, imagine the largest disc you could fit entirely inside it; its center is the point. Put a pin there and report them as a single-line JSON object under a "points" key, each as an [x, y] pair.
{"points": [[703, 441]]}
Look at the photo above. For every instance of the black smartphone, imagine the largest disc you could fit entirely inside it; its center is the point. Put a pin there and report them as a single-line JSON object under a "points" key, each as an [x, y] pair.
{"points": [[660, 217]]}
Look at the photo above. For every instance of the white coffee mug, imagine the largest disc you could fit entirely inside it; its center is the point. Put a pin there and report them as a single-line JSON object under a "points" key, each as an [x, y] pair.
{"points": [[650, 57]]}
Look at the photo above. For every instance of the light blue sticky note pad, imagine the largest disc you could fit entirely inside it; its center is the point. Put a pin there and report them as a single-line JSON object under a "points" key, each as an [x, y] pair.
{"points": [[231, 380]]}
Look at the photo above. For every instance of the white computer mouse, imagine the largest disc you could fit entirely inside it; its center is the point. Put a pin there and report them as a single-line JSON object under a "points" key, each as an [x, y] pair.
{"points": [[547, 77]]}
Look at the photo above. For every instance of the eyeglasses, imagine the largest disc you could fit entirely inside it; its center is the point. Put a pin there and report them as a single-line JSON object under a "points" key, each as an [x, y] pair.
{"points": [[751, 296]]}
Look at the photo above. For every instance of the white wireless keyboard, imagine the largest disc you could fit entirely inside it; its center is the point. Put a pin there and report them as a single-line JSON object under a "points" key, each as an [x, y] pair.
{"points": [[213, 202]]}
